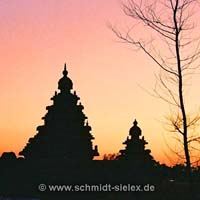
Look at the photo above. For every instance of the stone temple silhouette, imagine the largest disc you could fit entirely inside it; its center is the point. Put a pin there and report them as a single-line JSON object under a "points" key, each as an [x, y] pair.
{"points": [[65, 134], [135, 151]]}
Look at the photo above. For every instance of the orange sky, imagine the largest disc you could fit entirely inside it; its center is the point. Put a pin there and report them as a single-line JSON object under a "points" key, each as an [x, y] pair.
{"points": [[37, 37]]}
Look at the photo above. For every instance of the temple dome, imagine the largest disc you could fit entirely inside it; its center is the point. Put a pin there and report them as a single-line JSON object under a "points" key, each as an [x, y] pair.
{"points": [[65, 83], [135, 130]]}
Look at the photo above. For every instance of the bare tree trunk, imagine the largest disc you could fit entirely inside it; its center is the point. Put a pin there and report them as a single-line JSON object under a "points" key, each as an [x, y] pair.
{"points": [[180, 91]]}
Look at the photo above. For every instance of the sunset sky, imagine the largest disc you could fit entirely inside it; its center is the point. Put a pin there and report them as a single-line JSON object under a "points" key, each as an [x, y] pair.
{"points": [[38, 37]]}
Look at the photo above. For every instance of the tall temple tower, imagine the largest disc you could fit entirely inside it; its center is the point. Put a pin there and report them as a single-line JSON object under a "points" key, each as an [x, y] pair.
{"points": [[135, 151], [65, 134]]}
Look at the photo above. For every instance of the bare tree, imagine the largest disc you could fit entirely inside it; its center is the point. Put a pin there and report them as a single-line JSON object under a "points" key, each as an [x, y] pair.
{"points": [[171, 22]]}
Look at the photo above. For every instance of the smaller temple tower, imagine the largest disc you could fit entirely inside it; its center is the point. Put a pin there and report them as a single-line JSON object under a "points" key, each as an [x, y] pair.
{"points": [[135, 151]]}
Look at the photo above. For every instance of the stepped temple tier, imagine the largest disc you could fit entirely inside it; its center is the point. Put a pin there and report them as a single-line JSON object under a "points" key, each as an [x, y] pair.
{"points": [[135, 151], [65, 134]]}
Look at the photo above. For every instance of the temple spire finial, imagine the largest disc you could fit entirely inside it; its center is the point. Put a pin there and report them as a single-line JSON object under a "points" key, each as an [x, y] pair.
{"points": [[135, 122], [65, 72]]}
